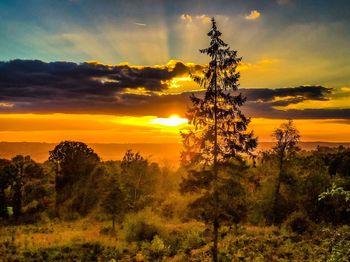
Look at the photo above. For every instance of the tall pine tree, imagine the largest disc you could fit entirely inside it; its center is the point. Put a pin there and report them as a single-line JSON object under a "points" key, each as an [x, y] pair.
{"points": [[219, 132]]}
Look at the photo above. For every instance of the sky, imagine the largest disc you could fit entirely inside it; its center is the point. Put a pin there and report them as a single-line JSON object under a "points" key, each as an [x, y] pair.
{"points": [[113, 71]]}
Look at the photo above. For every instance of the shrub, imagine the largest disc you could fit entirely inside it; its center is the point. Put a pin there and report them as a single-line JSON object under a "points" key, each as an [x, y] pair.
{"points": [[192, 238], [157, 246], [155, 250], [340, 250], [175, 206], [338, 242], [298, 222], [142, 226]]}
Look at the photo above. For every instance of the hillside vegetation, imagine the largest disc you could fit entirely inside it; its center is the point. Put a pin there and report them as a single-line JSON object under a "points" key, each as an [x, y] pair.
{"points": [[134, 210]]}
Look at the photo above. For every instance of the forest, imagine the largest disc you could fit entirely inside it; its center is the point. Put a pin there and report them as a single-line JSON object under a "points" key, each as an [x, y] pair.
{"points": [[225, 202], [76, 207]]}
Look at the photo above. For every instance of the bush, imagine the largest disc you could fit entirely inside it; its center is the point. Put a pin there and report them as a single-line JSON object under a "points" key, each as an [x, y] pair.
{"points": [[298, 222], [338, 242], [175, 206], [192, 238], [155, 250], [142, 226]]}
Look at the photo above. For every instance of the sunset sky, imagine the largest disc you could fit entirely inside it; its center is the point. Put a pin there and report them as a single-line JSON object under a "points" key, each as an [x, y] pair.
{"points": [[117, 71]]}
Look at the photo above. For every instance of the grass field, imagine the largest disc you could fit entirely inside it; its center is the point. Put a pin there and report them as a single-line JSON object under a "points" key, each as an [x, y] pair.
{"points": [[89, 240]]}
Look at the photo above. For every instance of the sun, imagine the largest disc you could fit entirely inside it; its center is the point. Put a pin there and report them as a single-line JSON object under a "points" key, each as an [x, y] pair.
{"points": [[173, 120]]}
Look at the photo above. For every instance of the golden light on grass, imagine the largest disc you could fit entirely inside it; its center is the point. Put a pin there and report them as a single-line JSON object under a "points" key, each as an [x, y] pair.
{"points": [[173, 120]]}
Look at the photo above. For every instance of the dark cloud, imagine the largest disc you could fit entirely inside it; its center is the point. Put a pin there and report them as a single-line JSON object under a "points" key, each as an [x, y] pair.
{"points": [[33, 86], [299, 93], [271, 102], [37, 79], [269, 111]]}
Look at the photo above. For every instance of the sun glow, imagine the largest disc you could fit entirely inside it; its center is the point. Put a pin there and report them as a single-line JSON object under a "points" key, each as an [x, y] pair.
{"points": [[173, 120]]}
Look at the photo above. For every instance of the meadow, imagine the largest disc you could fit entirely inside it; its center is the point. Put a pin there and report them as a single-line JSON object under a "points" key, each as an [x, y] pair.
{"points": [[138, 210], [90, 240]]}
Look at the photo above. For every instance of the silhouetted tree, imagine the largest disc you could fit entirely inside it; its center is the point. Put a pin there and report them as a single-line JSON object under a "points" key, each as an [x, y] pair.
{"points": [[232, 205], [287, 138], [16, 174], [113, 201], [75, 161], [19, 167], [4, 184], [336, 159], [312, 178], [219, 131]]}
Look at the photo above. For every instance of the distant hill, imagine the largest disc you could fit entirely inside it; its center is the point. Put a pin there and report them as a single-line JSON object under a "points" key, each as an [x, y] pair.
{"points": [[168, 153], [305, 145]]}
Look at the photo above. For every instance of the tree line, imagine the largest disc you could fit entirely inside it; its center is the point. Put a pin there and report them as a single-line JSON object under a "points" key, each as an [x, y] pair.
{"points": [[74, 183]]}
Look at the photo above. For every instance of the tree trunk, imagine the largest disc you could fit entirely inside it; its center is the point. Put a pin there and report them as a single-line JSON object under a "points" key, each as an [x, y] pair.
{"points": [[17, 201], [3, 204], [215, 231], [216, 223], [216, 199], [57, 190], [277, 191], [57, 199], [137, 187], [113, 223]]}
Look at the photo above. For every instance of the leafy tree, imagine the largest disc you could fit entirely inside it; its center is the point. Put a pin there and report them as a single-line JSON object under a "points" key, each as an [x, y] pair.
{"points": [[336, 159], [340, 248], [16, 174], [312, 178], [75, 162], [137, 179], [287, 138], [336, 191], [4, 184], [219, 131], [113, 201], [16, 171]]}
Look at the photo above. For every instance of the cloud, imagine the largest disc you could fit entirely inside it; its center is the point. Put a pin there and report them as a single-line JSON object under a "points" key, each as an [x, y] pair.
{"points": [[5, 104], [204, 19], [288, 93], [140, 24], [186, 17], [37, 86], [91, 77], [254, 14], [273, 103], [33, 86], [261, 102]]}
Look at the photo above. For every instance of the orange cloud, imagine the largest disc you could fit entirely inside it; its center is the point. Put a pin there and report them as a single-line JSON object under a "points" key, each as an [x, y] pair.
{"points": [[201, 18], [5, 104], [204, 19], [186, 17], [254, 14]]}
